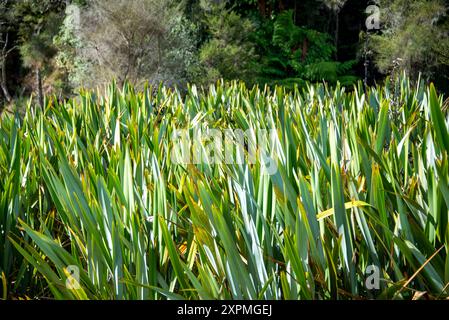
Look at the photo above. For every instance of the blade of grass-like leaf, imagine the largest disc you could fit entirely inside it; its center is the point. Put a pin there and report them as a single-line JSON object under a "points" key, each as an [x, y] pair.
{"points": [[173, 254], [348, 205], [341, 219], [441, 130]]}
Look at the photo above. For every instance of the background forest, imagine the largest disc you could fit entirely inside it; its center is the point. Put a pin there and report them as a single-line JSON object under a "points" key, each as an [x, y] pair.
{"points": [[57, 46]]}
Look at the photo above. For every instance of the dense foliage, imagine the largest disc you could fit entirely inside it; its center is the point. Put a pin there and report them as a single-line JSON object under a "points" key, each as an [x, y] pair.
{"points": [[362, 180], [415, 36], [58, 46]]}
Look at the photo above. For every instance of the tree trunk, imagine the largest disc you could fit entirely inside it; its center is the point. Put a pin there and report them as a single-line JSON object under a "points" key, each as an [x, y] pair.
{"points": [[3, 56], [337, 32], [366, 65], [296, 13], [263, 8], [305, 49], [40, 93], [3, 81], [281, 6], [159, 52]]}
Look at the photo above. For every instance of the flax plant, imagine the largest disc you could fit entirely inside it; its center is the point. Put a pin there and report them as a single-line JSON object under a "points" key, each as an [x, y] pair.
{"points": [[360, 181]]}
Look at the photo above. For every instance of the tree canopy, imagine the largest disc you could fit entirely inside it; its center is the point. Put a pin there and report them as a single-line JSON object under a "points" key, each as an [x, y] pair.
{"points": [[58, 46]]}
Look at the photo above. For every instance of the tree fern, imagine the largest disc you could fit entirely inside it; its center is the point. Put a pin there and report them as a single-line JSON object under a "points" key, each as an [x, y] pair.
{"points": [[302, 53]]}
